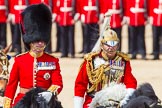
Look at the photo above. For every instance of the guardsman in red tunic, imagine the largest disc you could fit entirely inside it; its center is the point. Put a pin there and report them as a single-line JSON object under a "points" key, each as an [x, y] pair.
{"points": [[3, 19], [66, 22], [126, 12], [116, 8], [102, 67], [89, 16], [35, 68], [15, 8], [156, 21], [56, 18], [137, 18]]}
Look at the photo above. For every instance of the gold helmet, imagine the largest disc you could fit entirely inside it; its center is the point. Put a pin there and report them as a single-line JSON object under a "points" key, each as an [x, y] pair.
{"points": [[110, 38]]}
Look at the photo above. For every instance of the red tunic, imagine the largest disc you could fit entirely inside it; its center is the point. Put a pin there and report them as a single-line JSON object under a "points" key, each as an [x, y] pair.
{"points": [[110, 5], [56, 9], [15, 8], [38, 1], [3, 11], [136, 18], [65, 13], [126, 7], [88, 11], [157, 16], [82, 82], [22, 72]]}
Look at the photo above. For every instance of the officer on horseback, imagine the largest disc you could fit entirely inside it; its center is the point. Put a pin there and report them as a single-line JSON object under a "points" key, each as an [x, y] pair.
{"points": [[102, 67], [35, 68]]}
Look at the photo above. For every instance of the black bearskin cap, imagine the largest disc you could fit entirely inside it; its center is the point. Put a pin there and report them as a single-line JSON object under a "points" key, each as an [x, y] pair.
{"points": [[36, 24]]}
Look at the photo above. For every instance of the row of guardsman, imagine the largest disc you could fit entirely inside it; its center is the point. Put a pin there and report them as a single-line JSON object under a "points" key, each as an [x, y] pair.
{"points": [[135, 13]]}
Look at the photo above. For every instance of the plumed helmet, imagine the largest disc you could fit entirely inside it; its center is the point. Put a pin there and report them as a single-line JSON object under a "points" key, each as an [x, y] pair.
{"points": [[110, 37], [107, 35], [36, 24]]}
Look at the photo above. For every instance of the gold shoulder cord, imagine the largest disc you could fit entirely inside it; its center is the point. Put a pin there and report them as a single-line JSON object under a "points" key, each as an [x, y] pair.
{"points": [[124, 56], [95, 75]]}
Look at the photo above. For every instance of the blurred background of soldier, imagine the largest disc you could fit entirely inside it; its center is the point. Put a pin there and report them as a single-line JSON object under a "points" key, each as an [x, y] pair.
{"points": [[56, 18], [89, 16], [116, 8], [3, 19], [48, 3], [126, 11], [15, 8], [155, 18], [67, 13], [137, 19]]}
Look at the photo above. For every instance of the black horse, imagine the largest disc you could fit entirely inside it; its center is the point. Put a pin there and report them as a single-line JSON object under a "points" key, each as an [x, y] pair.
{"points": [[33, 100], [144, 97]]}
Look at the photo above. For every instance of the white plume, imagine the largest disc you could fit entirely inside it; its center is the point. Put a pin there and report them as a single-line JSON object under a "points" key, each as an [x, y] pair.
{"points": [[106, 25], [115, 92]]}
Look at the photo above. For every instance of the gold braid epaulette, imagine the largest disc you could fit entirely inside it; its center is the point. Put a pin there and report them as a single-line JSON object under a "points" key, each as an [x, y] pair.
{"points": [[123, 55], [94, 75]]}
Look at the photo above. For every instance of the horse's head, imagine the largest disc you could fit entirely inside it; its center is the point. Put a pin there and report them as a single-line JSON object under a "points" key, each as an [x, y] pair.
{"points": [[4, 74], [33, 100]]}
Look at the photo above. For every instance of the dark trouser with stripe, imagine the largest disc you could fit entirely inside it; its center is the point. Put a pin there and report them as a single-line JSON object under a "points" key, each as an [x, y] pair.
{"points": [[16, 38], [90, 36], [137, 40], [67, 40], [58, 37], [3, 37], [157, 36]]}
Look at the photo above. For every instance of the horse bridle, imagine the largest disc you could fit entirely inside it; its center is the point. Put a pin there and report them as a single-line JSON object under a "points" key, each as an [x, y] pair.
{"points": [[4, 63]]}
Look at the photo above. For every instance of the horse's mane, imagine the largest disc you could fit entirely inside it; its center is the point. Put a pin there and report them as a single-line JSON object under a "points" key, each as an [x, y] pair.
{"points": [[32, 100]]}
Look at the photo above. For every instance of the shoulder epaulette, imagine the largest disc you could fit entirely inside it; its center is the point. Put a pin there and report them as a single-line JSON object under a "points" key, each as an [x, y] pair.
{"points": [[21, 54], [124, 56], [90, 55]]}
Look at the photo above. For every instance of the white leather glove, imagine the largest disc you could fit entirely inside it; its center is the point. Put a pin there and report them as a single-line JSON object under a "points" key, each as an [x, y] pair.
{"points": [[78, 102], [130, 92], [76, 17], [46, 95]]}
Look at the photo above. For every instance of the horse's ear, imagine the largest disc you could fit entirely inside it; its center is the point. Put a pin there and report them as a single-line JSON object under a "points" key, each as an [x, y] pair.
{"points": [[5, 50]]}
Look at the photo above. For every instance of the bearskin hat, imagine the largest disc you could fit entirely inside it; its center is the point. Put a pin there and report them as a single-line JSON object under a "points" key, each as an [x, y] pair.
{"points": [[36, 24]]}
